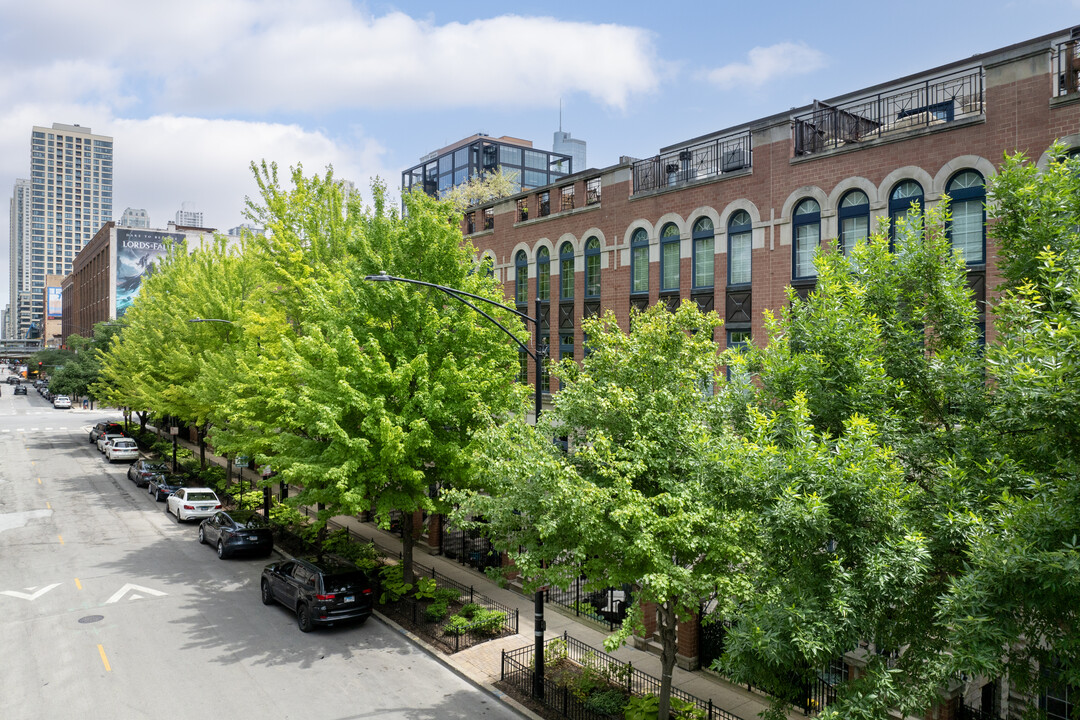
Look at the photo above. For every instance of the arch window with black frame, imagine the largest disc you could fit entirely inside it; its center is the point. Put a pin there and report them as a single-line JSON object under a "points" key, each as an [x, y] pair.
{"points": [[806, 232], [854, 216], [902, 203], [566, 271], [967, 193], [669, 258], [592, 268], [704, 267], [521, 278], [639, 262], [739, 249], [543, 274]]}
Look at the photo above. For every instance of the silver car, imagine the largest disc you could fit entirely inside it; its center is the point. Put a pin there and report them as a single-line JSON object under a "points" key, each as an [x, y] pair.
{"points": [[123, 448], [192, 503]]}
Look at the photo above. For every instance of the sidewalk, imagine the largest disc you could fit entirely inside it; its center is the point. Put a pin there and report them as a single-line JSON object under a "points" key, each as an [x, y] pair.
{"points": [[482, 663]]}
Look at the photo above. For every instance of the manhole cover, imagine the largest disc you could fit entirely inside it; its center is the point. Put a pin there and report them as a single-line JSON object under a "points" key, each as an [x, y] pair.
{"points": [[91, 618]]}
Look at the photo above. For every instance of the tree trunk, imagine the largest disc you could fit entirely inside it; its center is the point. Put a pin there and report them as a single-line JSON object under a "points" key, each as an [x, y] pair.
{"points": [[142, 421], [668, 648], [407, 546], [202, 447]]}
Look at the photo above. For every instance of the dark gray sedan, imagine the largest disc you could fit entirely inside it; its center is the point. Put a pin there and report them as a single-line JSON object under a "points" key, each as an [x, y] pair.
{"points": [[237, 531]]}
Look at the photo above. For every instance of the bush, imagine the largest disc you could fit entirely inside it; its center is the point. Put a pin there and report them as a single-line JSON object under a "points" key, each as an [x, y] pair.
{"points": [[447, 595], [470, 610], [436, 612], [473, 618], [608, 702]]}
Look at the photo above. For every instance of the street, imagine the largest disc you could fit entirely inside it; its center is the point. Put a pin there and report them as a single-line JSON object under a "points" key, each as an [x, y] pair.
{"points": [[110, 608]]}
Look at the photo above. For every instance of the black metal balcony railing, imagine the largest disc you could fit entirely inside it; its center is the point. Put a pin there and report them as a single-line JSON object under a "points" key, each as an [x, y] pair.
{"points": [[1068, 67], [936, 101], [696, 162]]}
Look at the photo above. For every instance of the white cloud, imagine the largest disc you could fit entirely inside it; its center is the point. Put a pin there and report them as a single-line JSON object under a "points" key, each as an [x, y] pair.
{"points": [[243, 57], [768, 63]]}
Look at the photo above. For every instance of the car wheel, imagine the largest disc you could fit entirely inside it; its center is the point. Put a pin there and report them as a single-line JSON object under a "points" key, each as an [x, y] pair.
{"points": [[202, 536], [267, 596], [303, 618], [220, 550]]}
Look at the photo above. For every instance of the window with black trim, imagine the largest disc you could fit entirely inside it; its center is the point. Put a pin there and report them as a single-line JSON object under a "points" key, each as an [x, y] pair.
{"points": [[489, 218], [903, 199], [806, 237], [566, 272], [704, 266], [967, 229], [739, 248], [543, 274], [669, 258], [737, 340], [639, 262], [544, 200], [592, 191], [854, 216], [566, 198], [592, 267], [523, 209], [521, 278]]}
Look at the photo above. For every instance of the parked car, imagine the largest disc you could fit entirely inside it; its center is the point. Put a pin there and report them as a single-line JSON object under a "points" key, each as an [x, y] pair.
{"points": [[62, 402], [20, 389], [237, 531], [122, 448], [142, 470], [192, 503], [105, 426], [106, 437], [162, 486], [319, 594]]}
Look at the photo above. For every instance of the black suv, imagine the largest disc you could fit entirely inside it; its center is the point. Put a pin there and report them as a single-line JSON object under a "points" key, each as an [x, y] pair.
{"points": [[319, 593], [20, 389], [107, 427]]}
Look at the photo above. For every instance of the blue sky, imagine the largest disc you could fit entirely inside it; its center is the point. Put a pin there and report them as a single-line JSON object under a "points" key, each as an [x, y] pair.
{"points": [[193, 92]]}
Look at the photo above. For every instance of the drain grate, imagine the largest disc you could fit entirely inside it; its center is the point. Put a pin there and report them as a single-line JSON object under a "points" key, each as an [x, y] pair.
{"points": [[91, 619]]}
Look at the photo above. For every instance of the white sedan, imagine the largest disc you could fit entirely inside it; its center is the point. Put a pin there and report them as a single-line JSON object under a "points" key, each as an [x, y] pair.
{"points": [[62, 402], [122, 448], [192, 503], [104, 438]]}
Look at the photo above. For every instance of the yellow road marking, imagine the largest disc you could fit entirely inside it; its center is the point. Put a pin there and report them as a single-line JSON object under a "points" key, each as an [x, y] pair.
{"points": [[104, 659], [61, 539], [48, 505], [78, 584], [39, 481]]}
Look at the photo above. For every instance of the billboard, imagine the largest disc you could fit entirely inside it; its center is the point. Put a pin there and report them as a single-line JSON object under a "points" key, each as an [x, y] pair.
{"points": [[137, 251], [54, 304]]}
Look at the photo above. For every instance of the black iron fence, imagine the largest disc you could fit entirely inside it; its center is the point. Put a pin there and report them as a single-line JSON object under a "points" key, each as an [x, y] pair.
{"points": [[459, 636], [935, 101], [469, 547], [517, 670], [607, 607], [697, 162]]}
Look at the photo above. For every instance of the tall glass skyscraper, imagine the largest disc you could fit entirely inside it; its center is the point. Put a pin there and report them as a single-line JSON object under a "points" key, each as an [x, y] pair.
{"points": [[71, 181]]}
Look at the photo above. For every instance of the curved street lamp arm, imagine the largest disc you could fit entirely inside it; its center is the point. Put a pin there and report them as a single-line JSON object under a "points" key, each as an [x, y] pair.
{"points": [[383, 277]]}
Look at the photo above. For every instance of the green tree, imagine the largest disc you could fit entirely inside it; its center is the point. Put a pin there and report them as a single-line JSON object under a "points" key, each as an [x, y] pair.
{"points": [[78, 374], [628, 502], [364, 394], [860, 467], [491, 185], [1015, 608]]}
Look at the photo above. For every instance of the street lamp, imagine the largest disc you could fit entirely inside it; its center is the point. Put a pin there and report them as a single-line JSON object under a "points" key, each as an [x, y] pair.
{"points": [[537, 355], [228, 470]]}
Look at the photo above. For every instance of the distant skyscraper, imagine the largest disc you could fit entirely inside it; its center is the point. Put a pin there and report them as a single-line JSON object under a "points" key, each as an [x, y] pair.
{"points": [[188, 216], [135, 218], [71, 178], [21, 314], [566, 145]]}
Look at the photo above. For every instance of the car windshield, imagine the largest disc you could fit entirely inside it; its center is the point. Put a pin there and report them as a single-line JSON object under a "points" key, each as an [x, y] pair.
{"points": [[155, 468], [248, 518], [202, 496]]}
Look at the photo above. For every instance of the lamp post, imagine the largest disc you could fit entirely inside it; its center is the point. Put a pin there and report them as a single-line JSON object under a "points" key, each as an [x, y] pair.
{"points": [[537, 356], [266, 489]]}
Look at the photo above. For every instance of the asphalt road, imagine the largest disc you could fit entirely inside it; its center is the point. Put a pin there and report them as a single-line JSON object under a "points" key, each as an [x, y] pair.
{"points": [[111, 609]]}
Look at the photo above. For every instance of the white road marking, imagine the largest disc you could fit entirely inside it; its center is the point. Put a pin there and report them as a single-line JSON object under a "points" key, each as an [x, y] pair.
{"points": [[132, 589], [30, 596]]}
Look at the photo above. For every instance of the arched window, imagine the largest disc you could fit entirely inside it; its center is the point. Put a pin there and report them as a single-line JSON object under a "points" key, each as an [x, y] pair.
{"points": [[566, 271], [521, 278], [703, 253], [639, 262], [807, 236], [543, 274], [739, 245], [669, 258], [901, 201], [854, 220], [967, 191], [592, 268]]}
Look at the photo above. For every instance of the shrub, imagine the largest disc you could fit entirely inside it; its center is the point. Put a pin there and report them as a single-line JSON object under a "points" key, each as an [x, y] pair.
{"points": [[392, 583], [478, 621], [608, 702], [446, 595], [436, 612], [470, 610]]}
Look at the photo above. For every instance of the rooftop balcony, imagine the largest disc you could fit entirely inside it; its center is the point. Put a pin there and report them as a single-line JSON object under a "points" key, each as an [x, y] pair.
{"points": [[696, 162], [935, 101]]}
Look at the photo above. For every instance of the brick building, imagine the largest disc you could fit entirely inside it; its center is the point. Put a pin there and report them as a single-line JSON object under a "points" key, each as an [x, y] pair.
{"points": [[731, 219]]}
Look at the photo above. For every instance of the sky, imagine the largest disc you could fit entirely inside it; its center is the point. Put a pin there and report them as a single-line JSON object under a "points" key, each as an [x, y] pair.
{"points": [[194, 92]]}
